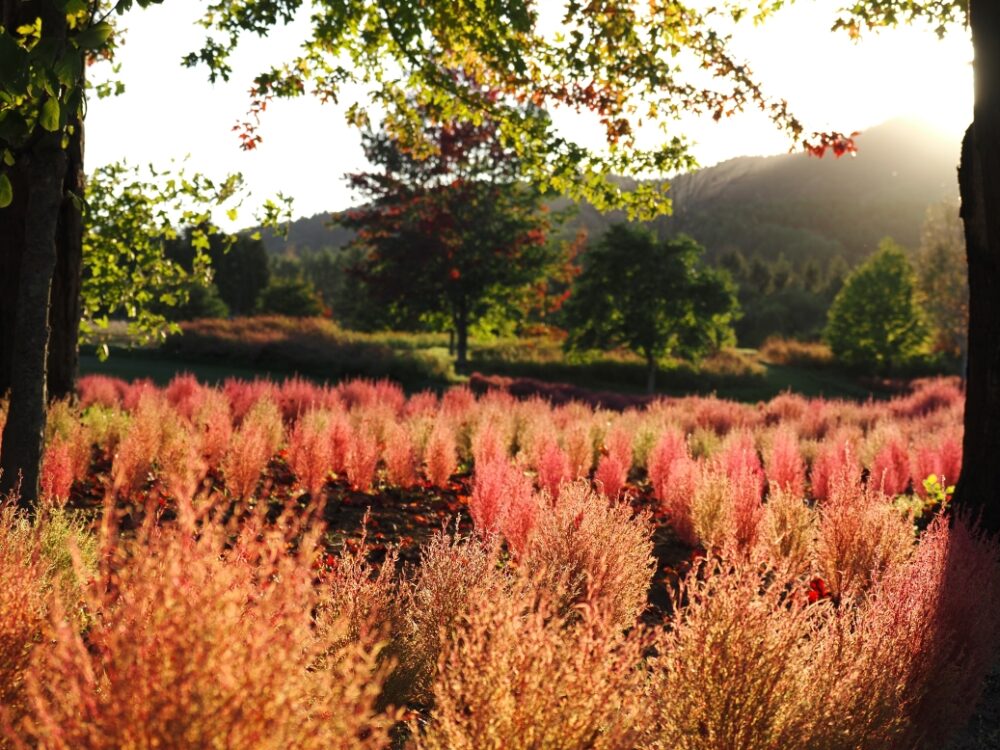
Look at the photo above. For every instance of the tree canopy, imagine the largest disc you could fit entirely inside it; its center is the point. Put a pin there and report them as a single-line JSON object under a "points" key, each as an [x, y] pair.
{"points": [[875, 320], [651, 297], [452, 233]]}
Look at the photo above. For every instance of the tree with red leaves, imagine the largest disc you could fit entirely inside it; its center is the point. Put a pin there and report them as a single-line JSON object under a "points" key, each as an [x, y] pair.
{"points": [[451, 229]]}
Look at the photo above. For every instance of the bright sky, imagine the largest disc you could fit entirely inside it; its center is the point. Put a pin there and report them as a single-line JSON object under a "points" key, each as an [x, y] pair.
{"points": [[832, 83]]}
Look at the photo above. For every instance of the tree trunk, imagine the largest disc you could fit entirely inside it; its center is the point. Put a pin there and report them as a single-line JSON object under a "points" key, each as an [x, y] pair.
{"points": [[462, 337], [978, 489], [650, 374], [64, 317], [21, 449], [65, 308], [12, 222]]}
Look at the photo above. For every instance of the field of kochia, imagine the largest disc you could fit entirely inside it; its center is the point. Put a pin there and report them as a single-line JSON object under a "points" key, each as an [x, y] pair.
{"points": [[279, 565]]}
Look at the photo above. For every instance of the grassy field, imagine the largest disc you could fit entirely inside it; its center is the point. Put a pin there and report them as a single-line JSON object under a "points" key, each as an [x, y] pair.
{"points": [[320, 351]]}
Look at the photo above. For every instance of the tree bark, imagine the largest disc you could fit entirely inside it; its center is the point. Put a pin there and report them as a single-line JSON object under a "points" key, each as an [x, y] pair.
{"points": [[21, 449], [12, 222], [650, 374], [462, 337], [64, 317], [65, 308], [978, 489]]}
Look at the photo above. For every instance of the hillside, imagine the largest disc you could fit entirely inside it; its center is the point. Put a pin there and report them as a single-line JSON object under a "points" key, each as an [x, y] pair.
{"points": [[790, 204]]}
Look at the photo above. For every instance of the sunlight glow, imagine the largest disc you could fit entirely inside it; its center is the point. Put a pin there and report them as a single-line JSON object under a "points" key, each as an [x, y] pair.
{"points": [[831, 82]]}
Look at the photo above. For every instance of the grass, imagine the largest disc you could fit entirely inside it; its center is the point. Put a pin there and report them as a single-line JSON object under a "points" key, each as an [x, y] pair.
{"points": [[321, 351]]}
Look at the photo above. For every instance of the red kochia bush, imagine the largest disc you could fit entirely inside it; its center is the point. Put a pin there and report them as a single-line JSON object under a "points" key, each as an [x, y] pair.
{"points": [[785, 468], [310, 453], [441, 455], [670, 447], [890, 471], [553, 468]]}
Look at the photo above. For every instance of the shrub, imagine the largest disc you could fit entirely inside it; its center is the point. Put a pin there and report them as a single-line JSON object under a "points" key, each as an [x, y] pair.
{"points": [[361, 456], [785, 468], [251, 447], [197, 647], [553, 468], [586, 549], [400, 457], [668, 449], [454, 577], [712, 509], [678, 498], [729, 670], [310, 452], [786, 533], [516, 675], [23, 611], [440, 456], [860, 535], [794, 353], [890, 471]]}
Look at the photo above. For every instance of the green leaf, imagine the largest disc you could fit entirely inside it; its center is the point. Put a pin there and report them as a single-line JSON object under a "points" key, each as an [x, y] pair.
{"points": [[231, 214], [13, 63], [68, 68], [96, 36], [6, 191], [49, 117], [8, 157]]}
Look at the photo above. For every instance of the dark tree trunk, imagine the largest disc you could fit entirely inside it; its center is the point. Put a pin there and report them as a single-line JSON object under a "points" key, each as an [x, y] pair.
{"points": [[65, 308], [12, 221], [64, 317], [462, 337], [20, 454], [650, 374], [978, 489]]}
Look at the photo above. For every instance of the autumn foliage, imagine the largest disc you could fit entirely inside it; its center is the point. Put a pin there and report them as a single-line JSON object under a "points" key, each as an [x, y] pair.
{"points": [[750, 581]]}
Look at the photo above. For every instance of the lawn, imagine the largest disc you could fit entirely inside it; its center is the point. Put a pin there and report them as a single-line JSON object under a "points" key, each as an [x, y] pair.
{"points": [[318, 350]]}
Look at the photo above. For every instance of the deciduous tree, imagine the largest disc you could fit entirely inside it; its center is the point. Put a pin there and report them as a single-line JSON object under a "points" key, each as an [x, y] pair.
{"points": [[875, 321], [651, 297], [451, 231], [943, 278]]}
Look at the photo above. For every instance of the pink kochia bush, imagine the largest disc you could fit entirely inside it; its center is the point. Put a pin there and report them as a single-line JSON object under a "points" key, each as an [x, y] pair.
{"points": [[504, 501], [310, 453], [613, 467], [440, 455], [785, 468]]}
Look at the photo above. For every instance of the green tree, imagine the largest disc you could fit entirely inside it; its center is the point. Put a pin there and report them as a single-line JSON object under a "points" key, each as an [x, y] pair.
{"points": [[201, 301], [875, 321], [292, 297], [453, 233], [652, 297], [943, 278], [241, 272]]}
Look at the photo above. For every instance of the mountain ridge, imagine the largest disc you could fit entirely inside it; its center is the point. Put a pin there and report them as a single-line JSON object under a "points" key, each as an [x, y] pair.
{"points": [[786, 204]]}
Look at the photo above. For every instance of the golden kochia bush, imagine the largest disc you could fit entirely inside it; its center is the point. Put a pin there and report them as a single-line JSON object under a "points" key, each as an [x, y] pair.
{"points": [[756, 658], [587, 549], [23, 610], [518, 674], [203, 640]]}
